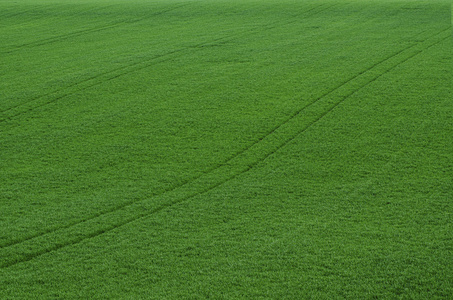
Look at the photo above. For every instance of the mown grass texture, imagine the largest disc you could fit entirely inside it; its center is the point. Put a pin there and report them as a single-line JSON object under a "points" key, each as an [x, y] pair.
{"points": [[226, 149]]}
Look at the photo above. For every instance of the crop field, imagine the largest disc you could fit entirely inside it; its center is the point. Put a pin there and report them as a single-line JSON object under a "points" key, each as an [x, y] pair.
{"points": [[226, 149]]}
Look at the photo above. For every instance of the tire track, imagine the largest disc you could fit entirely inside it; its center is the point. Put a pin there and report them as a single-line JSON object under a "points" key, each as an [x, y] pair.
{"points": [[243, 162], [69, 35], [112, 74], [59, 38], [14, 14], [164, 191], [33, 10]]}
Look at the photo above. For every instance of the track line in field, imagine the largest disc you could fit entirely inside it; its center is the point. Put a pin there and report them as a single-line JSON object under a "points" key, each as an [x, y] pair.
{"points": [[166, 190], [128, 69], [69, 35], [24, 11], [228, 171], [37, 19], [15, 14], [56, 39]]}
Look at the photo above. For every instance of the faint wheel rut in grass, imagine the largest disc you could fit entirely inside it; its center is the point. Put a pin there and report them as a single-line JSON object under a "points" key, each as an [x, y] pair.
{"points": [[31, 9], [34, 10], [98, 79], [6, 16], [237, 165], [73, 34]]}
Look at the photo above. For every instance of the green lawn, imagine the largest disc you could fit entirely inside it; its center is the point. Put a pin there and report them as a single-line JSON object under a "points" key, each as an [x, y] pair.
{"points": [[226, 149]]}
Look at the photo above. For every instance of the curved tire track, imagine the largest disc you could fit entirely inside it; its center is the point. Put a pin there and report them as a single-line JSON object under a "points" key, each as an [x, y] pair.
{"points": [[241, 163]]}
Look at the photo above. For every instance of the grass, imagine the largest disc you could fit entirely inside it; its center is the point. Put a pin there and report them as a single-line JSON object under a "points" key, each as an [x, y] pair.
{"points": [[227, 149]]}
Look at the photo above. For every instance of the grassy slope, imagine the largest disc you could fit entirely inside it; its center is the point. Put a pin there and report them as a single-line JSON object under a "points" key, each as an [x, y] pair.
{"points": [[203, 102]]}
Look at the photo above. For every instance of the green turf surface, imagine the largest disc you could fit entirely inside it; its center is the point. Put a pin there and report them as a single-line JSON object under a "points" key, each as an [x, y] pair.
{"points": [[226, 149]]}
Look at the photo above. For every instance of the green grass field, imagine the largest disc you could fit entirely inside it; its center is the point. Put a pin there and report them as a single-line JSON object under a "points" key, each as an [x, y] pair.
{"points": [[191, 149]]}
